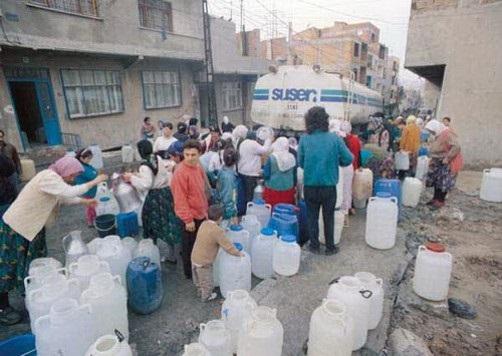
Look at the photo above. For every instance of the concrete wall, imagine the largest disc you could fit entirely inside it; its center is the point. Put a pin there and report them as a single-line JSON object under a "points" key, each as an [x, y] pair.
{"points": [[106, 130], [117, 29], [226, 55], [464, 36]]}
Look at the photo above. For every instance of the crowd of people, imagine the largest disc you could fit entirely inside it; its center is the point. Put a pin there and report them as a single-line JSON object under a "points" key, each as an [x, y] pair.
{"points": [[186, 177]]}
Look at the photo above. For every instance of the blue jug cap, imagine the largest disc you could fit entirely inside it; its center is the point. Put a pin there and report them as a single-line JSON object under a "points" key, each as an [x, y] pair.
{"points": [[236, 227], [104, 199], [383, 194], [288, 238], [267, 231], [238, 246], [259, 201]]}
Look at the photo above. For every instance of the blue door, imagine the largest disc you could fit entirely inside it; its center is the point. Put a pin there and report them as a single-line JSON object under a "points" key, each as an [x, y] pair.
{"points": [[34, 83], [48, 112]]}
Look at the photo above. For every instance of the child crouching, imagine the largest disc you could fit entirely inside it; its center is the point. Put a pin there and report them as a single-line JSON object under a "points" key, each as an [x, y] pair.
{"points": [[209, 238]]}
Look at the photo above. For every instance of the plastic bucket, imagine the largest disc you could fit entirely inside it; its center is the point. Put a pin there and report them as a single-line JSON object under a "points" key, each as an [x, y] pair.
{"points": [[105, 225], [23, 345]]}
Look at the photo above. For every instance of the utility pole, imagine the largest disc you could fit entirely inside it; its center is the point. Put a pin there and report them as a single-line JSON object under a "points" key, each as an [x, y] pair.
{"points": [[290, 38], [244, 38], [209, 67]]}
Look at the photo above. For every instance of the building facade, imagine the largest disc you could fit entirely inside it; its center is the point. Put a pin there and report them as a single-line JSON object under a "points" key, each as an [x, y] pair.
{"points": [[95, 68], [235, 72], [452, 44]]}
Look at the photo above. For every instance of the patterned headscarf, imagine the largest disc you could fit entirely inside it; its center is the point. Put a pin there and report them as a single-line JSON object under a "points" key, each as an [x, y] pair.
{"points": [[67, 166]]}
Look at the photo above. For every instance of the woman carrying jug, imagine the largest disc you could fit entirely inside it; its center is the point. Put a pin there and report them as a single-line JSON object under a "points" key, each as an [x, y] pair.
{"points": [[152, 182], [22, 233]]}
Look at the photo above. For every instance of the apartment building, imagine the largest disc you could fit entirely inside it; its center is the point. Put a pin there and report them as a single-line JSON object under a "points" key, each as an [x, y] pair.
{"points": [[237, 67], [94, 69], [351, 49], [452, 44], [390, 83]]}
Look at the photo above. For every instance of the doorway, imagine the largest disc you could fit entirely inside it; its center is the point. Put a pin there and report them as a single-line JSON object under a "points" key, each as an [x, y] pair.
{"points": [[26, 105]]}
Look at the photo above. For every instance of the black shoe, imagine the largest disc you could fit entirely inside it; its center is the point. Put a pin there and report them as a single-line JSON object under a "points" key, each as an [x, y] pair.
{"points": [[331, 251], [315, 250]]}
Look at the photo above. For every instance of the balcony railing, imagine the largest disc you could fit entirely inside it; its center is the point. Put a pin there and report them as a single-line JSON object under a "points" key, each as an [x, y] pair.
{"points": [[81, 7]]}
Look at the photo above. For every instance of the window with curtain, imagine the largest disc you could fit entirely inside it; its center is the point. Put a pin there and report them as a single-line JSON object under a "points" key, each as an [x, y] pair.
{"points": [[161, 89], [83, 7], [92, 92], [155, 14], [232, 95]]}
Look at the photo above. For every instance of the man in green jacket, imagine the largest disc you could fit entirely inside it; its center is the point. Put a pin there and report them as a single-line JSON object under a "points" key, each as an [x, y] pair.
{"points": [[320, 154]]}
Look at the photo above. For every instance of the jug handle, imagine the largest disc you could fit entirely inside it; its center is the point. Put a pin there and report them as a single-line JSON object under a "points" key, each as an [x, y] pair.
{"points": [[39, 321], [421, 248], [334, 281], [249, 204], [379, 281], [202, 327], [366, 293], [146, 263], [119, 335], [269, 207], [373, 198], [64, 241], [393, 199], [25, 281]]}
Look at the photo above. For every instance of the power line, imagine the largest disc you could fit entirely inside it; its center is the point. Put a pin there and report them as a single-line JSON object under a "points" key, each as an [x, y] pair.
{"points": [[350, 15]]}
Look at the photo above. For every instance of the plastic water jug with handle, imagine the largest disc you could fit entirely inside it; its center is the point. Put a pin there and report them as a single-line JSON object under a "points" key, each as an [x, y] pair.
{"points": [[66, 330], [433, 268], [350, 291], [331, 330]]}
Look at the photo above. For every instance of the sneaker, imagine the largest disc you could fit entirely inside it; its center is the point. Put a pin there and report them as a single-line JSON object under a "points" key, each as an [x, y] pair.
{"points": [[9, 316], [213, 296], [331, 252]]}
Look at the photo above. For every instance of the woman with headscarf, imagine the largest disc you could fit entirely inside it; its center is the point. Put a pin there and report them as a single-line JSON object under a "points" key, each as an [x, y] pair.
{"points": [[410, 143], [226, 125], [446, 162], [239, 134], [279, 174], [22, 233], [152, 183]]}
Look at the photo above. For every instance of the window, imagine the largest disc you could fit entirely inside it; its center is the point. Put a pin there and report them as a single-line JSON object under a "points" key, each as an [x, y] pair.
{"points": [[370, 61], [83, 7], [232, 95], [155, 14], [368, 81], [161, 89], [92, 92], [355, 73], [356, 49], [373, 37]]}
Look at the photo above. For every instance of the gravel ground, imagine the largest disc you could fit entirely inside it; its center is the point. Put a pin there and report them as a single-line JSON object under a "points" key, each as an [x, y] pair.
{"points": [[471, 229]]}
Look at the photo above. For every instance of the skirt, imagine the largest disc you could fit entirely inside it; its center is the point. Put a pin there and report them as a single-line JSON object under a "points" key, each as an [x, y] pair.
{"points": [[440, 176], [274, 197], [16, 254], [159, 219]]}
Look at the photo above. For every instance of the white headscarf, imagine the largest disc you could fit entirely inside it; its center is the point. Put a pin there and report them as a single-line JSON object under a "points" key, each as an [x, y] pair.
{"points": [[225, 119], [280, 150], [239, 133], [346, 127], [435, 126], [226, 135], [335, 125]]}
